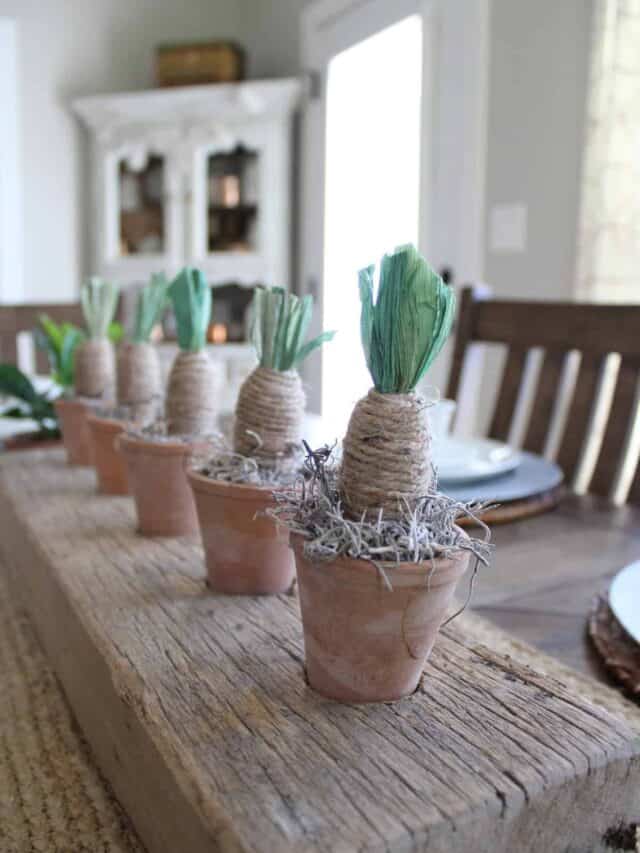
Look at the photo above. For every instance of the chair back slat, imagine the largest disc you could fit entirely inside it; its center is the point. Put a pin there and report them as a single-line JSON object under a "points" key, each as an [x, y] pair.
{"points": [[544, 403], [508, 394], [464, 330], [621, 416], [582, 403], [589, 423], [634, 491]]}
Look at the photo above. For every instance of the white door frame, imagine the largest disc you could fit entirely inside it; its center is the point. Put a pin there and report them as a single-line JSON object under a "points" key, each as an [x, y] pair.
{"points": [[454, 129], [11, 246]]}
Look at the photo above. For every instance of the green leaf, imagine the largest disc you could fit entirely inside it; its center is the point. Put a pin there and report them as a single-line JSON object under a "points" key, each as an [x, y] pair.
{"points": [[16, 413], [403, 332], [115, 332], [190, 295], [152, 301], [14, 383], [279, 324], [99, 299], [310, 346]]}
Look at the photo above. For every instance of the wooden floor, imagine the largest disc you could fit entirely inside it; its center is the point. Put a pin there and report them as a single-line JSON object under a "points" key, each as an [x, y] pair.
{"points": [[197, 711]]}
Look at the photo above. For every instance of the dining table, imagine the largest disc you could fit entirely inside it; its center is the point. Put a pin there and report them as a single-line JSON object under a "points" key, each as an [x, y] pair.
{"points": [[197, 711], [547, 570]]}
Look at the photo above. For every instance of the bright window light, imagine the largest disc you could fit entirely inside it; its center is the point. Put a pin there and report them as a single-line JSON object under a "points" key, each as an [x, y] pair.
{"points": [[371, 192]]}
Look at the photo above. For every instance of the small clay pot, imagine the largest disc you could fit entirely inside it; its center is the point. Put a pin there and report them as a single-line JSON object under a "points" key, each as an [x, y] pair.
{"points": [[246, 553], [111, 468], [364, 642], [157, 476], [72, 416]]}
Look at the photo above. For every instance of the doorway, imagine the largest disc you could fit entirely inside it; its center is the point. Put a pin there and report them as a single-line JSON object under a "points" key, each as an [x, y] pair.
{"points": [[393, 152]]}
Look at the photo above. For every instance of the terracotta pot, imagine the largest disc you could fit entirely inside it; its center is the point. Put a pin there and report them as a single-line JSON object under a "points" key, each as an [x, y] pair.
{"points": [[111, 468], [246, 553], [28, 441], [72, 416], [364, 642], [157, 477]]}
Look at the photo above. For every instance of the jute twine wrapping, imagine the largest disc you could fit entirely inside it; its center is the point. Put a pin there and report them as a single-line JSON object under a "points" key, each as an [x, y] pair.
{"points": [[95, 368], [139, 379], [192, 395], [386, 455], [269, 414]]}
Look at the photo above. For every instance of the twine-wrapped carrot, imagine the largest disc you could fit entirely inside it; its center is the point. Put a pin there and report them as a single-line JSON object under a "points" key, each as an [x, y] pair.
{"points": [[270, 406], [386, 452], [94, 358], [192, 391], [138, 375]]}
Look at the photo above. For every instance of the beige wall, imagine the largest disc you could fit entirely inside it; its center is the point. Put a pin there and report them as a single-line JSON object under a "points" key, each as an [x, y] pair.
{"points": [[538, 84], [76, 47], [71, 47]]}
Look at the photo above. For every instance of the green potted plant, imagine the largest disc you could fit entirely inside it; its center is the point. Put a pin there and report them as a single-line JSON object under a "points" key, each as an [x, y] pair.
{"points": [[59, 341], [27, 403], [156, 457], [378, 552], [94, 370], [245, 552], [138, 389]]}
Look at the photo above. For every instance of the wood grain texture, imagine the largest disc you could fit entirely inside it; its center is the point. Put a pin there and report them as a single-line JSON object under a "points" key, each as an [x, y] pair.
{"points": [[621, 415], [463, 333], [196, 707], [508, 393], [595, 330], [577, 426], [546, 393]]}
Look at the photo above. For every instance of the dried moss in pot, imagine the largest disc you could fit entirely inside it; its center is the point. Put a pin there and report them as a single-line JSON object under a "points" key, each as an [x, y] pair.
{"points": [[378, 552], [94, 358], [270, 407], [139, 378], [192, 391]]}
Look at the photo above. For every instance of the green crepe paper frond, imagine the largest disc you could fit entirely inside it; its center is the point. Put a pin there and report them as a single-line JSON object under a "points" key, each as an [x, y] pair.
{"points": [[59, 342], [279, 325], [405, 328], [191, 298], [99, 299], [152, 301]]}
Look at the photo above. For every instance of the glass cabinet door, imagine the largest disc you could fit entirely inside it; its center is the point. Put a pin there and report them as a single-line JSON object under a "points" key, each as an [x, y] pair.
{"points": [[231, 199], [140, 207]]}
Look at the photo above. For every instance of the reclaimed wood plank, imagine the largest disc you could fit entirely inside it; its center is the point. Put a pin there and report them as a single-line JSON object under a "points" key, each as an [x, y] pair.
{"points": [[196, 707]]}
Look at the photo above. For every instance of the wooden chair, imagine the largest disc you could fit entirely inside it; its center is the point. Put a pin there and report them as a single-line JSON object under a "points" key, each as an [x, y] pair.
{"points": [[558, 328]]}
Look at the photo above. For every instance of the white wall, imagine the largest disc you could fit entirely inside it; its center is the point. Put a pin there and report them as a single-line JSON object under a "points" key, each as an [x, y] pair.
{"points": [[538, 86], [68, 48], [71, 47]]}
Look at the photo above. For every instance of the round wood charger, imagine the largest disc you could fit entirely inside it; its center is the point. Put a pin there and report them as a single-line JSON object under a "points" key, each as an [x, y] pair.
{"points": [[534, 487], [619, 652]]}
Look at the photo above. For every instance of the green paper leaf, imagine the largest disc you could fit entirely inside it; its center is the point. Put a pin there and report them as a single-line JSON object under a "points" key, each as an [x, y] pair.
{"points": [[99, 299], [190, 295], [407, 326], [280, 321], [152, 301]]}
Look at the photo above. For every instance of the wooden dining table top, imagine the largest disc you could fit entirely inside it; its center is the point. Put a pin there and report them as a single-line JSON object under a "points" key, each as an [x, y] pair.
{"points": [[546, 571]]}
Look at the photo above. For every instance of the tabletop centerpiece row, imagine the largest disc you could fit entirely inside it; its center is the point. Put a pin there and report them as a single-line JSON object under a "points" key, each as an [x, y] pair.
{"points": [[374, 545]]}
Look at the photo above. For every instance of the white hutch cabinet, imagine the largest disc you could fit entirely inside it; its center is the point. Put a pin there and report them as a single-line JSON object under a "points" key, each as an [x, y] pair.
{"points": [[199, 175]]}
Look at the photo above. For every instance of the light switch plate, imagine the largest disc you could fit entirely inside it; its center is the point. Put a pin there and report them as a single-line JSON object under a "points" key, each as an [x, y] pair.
{"points": [[508, 228]]}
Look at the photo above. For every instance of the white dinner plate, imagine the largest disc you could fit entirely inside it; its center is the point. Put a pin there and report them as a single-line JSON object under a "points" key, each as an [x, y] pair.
{"points": [[470, 460], [624, 599]]}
